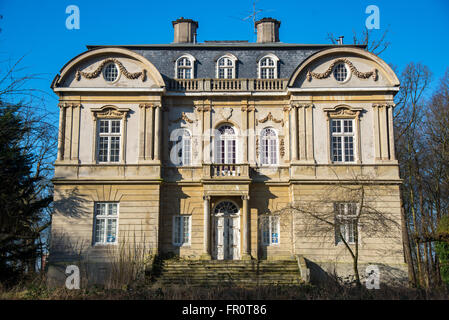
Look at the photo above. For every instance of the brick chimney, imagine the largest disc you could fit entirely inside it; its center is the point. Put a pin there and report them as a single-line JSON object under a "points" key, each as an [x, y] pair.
{"points": [[185, 30], [267, 30]]}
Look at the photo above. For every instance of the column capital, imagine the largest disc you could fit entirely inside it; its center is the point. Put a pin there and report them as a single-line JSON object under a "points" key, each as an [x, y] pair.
{"points": [[68, 105], [206, 197], [146, 105], [245, 197]]}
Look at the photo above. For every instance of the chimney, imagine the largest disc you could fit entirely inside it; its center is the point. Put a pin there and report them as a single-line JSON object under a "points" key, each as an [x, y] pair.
{"points": [[340, 40], [185, 30], [267, 30]]}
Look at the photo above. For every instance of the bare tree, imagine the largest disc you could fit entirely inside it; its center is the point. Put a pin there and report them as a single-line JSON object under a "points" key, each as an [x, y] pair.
{"points": [[373, 44], [39, 142], [341, 212]]}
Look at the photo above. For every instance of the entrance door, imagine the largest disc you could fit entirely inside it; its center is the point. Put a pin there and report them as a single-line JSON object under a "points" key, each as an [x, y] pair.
{"points": [[227, 231]]}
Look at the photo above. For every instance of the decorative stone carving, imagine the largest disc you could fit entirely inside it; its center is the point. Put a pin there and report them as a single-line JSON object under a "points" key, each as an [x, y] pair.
{"points": [[109, 112], [183, 117], [361, 75], [343, 111], [270, 117], [282, 148], [96, 72], [202, 108], [226, 113], [68, 105], [257, 146], [383, 105]]}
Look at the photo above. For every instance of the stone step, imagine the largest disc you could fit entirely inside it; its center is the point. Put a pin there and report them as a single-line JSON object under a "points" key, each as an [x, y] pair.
{"points": [[237, 272]]}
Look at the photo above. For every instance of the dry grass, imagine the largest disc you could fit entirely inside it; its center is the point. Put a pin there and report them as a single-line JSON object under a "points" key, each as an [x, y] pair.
{"points": [[37, 289]]}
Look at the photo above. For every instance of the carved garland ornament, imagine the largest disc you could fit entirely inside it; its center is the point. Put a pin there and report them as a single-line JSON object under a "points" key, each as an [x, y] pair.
{"points": [[282, 148], [96, 72], [361, 75], [270, 117], [109, 113], [183, 117]]}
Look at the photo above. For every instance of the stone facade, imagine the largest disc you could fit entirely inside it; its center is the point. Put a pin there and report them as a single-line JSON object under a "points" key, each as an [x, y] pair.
{"points": [[149, 102]]}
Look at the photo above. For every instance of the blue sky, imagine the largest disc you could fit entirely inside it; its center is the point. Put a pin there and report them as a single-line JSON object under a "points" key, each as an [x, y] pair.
{"points": [[418, 30]]}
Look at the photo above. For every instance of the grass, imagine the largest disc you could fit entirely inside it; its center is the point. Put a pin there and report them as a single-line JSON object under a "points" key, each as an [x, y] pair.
{"points": [[36, 289]]}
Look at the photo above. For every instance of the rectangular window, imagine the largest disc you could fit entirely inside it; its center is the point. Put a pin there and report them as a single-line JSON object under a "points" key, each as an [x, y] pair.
{"points": [[345, 222], [270, 230], [109, 137], [181, 230], [106, 219], [342, 140]]}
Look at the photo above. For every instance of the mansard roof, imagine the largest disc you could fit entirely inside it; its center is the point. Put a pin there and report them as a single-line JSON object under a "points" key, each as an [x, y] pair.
{"points": [[290, 55]]}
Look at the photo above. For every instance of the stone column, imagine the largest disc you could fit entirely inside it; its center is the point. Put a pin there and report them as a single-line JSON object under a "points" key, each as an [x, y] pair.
{"points": [[309, 133], [246, 239], [206, 231], [207, 134], [251, 135], [61, 131], [68, 133], [376, 132], [286, 134], [391, 132], [76, 114], [157, 132], [142, 111], [302, 132], [245, 131], [166, 140], [383, 133], [149, 133], [294, 133]]}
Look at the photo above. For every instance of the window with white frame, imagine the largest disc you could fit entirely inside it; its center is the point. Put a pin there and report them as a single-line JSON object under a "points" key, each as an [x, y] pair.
{"points": [[106, 221], [181, 230], [268, 147], [111, 72], [185, 67], [341, 72], [184, 148], [226, 68], [268, 68], [109, 140], [345, 222], [225, 145], [270, 230], [342, 140]]}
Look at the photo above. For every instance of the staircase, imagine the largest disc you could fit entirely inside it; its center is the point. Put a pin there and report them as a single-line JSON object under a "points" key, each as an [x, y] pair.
{"points": [[229, 272]]}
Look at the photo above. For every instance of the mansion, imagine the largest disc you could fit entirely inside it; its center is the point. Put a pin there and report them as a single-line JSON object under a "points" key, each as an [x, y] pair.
{"points": [[208, 151]]}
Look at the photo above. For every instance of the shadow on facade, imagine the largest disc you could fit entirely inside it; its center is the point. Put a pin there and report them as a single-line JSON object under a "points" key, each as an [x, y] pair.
{"points": [[72, 205]]}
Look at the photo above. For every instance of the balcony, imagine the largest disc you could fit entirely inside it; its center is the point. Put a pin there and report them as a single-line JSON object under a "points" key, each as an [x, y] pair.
{"points": [[225, 171], [226, 85]]}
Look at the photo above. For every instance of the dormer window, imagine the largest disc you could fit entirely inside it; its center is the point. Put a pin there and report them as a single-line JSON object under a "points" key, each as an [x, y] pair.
{"points": [[110, 72], [226, 67], [184, 67], [268, 67], [341, 72]]}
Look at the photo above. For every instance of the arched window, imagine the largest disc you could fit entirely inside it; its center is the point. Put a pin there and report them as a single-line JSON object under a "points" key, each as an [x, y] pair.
{"points": [[268, 147], [184, 67], [184, 148], [226, 67], [225, 145], [268, 67]]}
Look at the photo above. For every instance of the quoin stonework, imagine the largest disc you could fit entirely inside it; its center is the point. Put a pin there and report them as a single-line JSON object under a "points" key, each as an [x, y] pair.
{"points": [[193, 149]]}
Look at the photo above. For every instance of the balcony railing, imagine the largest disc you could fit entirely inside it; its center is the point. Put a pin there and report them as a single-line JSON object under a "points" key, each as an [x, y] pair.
{"points": [[225, 171], [226, 85]]}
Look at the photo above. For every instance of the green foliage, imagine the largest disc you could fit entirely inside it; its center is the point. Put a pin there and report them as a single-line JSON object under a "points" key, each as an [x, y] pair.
{"points": [[20, 208], [442, 249]]}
